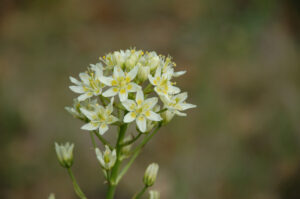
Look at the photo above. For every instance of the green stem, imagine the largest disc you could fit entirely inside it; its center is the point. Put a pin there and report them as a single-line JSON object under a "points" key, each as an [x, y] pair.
{"points": [[137, 152], [93, 140], [139, 195], [102, 139], [77, 189], [114, 172]]}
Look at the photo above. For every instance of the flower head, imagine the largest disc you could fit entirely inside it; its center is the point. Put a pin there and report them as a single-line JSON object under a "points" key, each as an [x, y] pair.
{"points": [[99, 118], [141, 111], [150, 174], [106, 159], [65, 154]]}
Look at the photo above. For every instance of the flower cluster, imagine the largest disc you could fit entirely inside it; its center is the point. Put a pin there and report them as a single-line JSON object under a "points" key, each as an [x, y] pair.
{"points": [[133, 81]]}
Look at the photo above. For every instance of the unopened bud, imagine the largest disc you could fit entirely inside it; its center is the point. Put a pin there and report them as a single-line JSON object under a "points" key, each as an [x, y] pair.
{"points": [[150, 174], [65, 154], [167, 116], [107, 159]]}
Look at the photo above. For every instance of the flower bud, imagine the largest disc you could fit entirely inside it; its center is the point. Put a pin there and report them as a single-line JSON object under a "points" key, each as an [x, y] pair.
{"points": [[153, 194], [167, 116], [65, 154], [150, 174], [107, 159], [143, 73], [131, 61]]}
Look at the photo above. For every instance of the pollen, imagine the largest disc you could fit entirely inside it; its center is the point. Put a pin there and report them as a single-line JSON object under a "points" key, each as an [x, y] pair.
{"points": [[115, 90]]}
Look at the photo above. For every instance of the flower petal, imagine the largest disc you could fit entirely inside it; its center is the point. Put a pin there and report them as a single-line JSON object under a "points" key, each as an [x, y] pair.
{"points": [[84, 96], [132, 73], [77, 89], [129, 104], [129, 117], [111, 92], [118, 72], [153, 116], [103, 128], [90, 126], [75, 81], [139, 97], [141, 123], [106, 80], [84, 77], [123, 94], [151, 102], [89, 114]]}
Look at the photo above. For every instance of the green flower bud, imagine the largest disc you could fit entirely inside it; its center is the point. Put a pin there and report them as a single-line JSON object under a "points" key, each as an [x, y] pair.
{"points": [[51, 196], [153, 194], [65, 154], [150, 174]]}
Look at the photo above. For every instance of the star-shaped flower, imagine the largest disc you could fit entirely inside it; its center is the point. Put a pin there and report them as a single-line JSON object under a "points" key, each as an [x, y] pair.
{"points": [[90, 84], [121, 83], [141, 111], [162, 83], [100, 118], [176, 103]]}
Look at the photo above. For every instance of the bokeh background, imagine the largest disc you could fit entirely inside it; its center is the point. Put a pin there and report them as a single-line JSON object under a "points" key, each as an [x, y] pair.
{"points": [[243, 63]]}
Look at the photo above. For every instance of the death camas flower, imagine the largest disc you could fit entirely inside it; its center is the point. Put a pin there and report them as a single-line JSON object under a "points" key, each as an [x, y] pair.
{"points": [[134, 82], [106, 159], [65, 154]]}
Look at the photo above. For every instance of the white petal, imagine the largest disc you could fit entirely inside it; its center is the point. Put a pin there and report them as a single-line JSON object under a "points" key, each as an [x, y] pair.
{"points": [[89, 114], [133, 87], [112, 119], [151, 79], [153, 116], [106, 80], [109, 107], [129, 117], [84, 96], [158, 72], [180, 113], [151, 102], [111, 92], [133, 73], [174, 90], [84, 77], [179, 73], [129, 104], [98, 68], [187, 106], [118, 72], [139, 96], [141, 123], [77, 89], [90, 126], [103, 128], [123, 96], [75, 81], [181, 97]]}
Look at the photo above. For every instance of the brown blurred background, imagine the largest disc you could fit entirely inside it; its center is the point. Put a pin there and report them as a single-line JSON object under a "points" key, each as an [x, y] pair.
{"points": [[243, 63]]}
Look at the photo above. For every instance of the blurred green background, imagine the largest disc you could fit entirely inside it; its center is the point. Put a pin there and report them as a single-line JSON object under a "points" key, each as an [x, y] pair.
{"points": [[243, 63]]}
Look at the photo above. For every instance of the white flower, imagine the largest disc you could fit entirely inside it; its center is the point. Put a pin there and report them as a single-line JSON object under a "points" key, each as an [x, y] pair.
{"points": [[162, 83], [120, 83], [153, 194], [108, 158], [90, 84], [141, 110], [100, 118], [151, 174], [64, 154], [167, 116], [75, 110], [177, 103]]}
